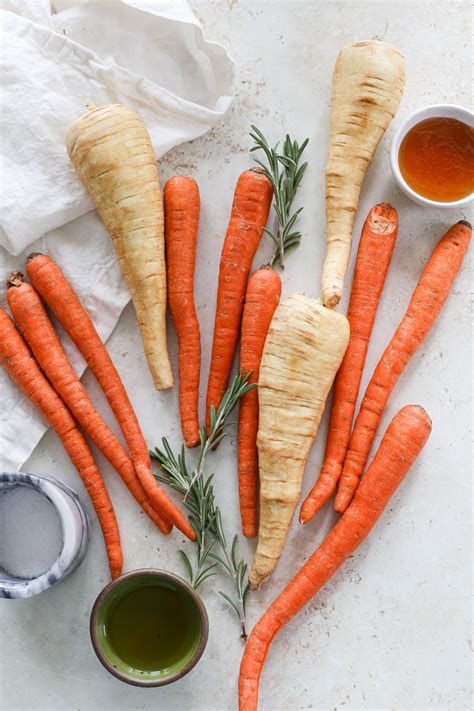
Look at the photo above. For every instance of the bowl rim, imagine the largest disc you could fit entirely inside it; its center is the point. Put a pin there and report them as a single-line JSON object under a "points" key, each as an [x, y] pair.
{"points": [[155, 573], [71, 513], [462, 113]]}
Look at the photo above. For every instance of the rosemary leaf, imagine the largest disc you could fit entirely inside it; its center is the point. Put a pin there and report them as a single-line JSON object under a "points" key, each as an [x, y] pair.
{"points": [[198, 497], [285, 175]]}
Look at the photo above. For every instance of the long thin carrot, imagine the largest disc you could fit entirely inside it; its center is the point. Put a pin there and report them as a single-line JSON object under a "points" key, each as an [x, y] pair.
{"points": [[58, 294], [182, 203], [376, 245], [36, 328], [252, 200], [400, 446], [426, 303], [261, 300], [17, 360]]}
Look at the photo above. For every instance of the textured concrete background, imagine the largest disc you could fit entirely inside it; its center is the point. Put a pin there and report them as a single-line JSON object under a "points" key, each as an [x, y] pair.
{"points": [[391, 630]]}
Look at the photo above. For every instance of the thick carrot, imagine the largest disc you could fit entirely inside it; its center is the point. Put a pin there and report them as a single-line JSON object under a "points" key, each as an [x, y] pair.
{"points": [[182, 203], [58, 294], [252, 200], [400, 446], [22, 367], [426, 303], [261, 300], [373, 260], [36, 328]]}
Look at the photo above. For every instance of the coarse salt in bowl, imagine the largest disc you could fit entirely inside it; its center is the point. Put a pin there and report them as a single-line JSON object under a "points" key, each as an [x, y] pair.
{"points": [[74, 537]]}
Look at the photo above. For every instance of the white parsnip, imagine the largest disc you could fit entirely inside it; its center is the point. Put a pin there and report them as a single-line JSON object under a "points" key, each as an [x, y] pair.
{"points": [[367, 88], [303, 351], [112, 153]]}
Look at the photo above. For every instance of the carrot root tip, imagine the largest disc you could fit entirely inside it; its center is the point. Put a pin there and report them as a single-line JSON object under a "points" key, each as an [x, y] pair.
{"points": [[14, 279]]}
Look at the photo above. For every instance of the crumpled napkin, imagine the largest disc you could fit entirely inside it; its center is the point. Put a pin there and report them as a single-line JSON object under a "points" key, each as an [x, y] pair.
{"points": [[56, 59]]}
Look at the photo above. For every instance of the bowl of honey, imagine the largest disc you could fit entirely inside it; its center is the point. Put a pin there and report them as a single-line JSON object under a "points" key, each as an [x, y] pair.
{"points": [[432, 156]]}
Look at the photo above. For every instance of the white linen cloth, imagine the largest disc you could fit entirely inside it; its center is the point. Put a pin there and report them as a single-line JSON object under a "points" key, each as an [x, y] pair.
{"points": [[56, 58]]}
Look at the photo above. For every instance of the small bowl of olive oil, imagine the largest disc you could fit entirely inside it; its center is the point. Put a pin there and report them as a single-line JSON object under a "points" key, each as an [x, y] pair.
{"points": [[149, 627]]}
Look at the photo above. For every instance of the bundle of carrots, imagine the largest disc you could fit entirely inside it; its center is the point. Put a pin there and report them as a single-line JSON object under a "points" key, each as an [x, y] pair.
{"points": [[48, 379], [346, 453]]}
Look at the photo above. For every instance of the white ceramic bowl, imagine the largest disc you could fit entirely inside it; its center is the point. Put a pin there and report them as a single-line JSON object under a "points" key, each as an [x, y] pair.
{"points": [[435, 111], [75, 528]]}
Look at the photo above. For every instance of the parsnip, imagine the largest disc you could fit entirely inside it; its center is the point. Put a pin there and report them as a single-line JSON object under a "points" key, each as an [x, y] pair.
{"points": [[303, 350], [112, 153], [367, 88]]}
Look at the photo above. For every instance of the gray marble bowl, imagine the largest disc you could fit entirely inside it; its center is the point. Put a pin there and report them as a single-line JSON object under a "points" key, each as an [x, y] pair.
{"points": [[75, 528]]}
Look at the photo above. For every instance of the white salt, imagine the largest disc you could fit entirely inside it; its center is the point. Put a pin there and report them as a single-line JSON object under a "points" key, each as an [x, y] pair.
{"points": [[31, 535]]}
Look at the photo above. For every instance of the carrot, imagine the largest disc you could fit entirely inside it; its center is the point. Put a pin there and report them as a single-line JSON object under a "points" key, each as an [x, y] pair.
{"points": [[302, 353], [17, 360], [252, 200], [181, 202], [400, 446], [112, 153], [426, 303], [261, 300], [58, 294], [36, 328], [367, 87], [373, 260]]}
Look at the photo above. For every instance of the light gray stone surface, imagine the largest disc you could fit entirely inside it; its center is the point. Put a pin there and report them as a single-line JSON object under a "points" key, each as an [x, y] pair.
{"points": [[392, 629]]}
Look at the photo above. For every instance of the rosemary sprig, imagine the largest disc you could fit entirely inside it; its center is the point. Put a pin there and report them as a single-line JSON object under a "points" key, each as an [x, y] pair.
{"points": [[198, 497], [285, 174]]}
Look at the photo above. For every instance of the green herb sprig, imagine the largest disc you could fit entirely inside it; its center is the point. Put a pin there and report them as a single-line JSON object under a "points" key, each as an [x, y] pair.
{"points": [[285, 174], [198, 497]]}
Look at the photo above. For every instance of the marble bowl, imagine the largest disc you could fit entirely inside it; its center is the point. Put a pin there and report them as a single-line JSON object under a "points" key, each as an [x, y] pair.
{"points": [[75, 528]]}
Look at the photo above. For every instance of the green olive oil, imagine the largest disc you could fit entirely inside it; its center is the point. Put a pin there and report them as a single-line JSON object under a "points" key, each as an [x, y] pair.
{"points": [[152, 628]]}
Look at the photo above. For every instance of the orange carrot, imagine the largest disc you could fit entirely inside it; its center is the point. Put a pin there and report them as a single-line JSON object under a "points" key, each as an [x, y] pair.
{"points": [[58, 294], [22, 367], [373, 260], [261, 300], [400, 446], [426, 303], [252, 200], [182, 203], [36, 328]]}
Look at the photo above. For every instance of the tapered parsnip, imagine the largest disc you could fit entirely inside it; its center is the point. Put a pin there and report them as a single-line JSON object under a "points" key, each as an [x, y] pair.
{"points": [[367, 88], [112, 153], [303, 351]]}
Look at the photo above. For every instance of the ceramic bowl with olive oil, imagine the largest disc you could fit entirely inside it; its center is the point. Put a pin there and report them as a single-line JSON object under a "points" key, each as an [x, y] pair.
{"points": [[149, 627]]}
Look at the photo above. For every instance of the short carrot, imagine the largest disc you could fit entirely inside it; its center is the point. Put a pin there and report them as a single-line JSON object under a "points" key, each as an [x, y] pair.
{"points": [[400, 446], [252, 200], [23, 369], [261, 300], [34, 324], [426, 303], [58, 294], [376, 246], [182, 203]]}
